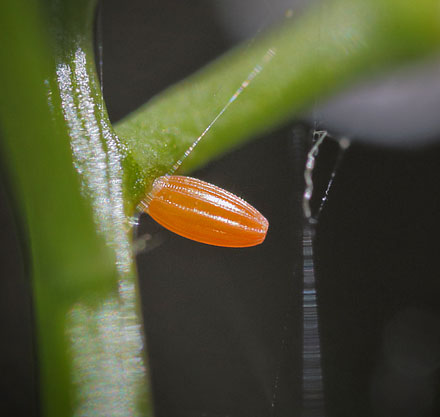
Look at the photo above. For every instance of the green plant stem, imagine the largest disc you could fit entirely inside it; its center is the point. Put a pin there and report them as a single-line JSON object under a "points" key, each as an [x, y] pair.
{"points": [[332, 46], [89, 333]]}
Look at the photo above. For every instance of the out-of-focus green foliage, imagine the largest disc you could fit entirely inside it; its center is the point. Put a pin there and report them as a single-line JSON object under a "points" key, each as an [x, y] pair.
{"points": [[330, 47], [76, 181]]}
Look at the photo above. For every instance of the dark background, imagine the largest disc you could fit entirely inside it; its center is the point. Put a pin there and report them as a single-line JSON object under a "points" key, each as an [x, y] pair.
{"points": [[224, 325]]}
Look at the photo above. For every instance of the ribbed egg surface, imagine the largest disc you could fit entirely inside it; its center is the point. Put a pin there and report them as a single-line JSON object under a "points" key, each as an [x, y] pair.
{"points": [[205, 213]]}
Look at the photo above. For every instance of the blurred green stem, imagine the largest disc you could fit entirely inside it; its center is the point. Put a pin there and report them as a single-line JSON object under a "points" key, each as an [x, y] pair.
{"points": [[330, 47]]}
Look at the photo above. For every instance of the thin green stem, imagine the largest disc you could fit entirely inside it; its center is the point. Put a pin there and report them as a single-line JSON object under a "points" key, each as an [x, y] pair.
{"points": [[327, 49]]}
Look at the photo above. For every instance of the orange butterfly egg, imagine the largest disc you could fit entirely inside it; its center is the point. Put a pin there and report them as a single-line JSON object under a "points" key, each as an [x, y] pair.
{"points": [[205, 213]]}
